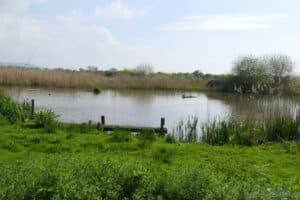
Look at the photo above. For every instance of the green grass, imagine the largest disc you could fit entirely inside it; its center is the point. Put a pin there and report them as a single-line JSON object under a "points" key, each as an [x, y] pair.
{"points": [[75, 164]]}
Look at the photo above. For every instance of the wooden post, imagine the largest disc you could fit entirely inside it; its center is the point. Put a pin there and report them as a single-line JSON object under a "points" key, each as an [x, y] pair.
{"points": [[298, 115], [32, 108], [162, 123], [98, 125], [102, 120]]}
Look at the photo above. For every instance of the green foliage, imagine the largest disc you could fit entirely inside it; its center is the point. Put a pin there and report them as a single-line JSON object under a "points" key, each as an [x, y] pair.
{"points": [[146, 138], [187, 130], [282, 129], [251, 133], [120, 136], [164, 154], [111, 72], [217, 132], [47, 119], [13, 111], [198, 74], [266, 74], [35, 165], [170, 139], [81, 128], [96, 90]]}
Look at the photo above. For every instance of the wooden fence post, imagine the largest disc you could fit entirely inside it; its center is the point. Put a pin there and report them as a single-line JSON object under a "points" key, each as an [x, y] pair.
{"points": [[162, 123], [102, 120], [32, 108], [298, 115]]}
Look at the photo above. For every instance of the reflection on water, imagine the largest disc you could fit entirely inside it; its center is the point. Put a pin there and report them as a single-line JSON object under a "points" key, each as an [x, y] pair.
{"points": [[145, 108]]}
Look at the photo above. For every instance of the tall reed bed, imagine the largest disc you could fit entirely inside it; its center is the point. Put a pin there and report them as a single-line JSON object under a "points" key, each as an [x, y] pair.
{"points": [[240, 132], [10, 76]]}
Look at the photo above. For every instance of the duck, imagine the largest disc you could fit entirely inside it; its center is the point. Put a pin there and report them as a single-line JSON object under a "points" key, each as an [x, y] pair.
{"points": [[187, 96]]}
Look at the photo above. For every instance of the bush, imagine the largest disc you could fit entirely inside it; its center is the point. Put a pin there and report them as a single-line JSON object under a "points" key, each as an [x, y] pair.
{"points": [[13, 111], [47, 119], [96, 90], [266, 74]]}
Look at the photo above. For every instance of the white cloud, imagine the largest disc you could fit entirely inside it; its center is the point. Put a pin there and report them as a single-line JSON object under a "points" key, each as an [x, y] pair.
{"points": [[67, 40], [229, 22], [64, 41], [17, 7], [117, 10]]}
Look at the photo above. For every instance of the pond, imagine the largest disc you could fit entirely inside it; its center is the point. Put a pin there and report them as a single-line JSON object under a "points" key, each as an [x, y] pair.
{"points": [[145, 108]]}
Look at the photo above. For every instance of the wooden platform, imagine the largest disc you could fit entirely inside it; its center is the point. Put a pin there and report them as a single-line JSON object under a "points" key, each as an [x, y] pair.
{"points": [[135, 128], [161, 130]]}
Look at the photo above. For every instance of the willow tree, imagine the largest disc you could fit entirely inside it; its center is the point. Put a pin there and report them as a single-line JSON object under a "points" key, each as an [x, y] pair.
{"points": [[261, 74], [280, 67]]}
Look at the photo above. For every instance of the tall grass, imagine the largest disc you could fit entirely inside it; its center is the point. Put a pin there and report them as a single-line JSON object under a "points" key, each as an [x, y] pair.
{"points": [[47, 119], [187, 131], [74, 79], [241, 132], [13, 111]]}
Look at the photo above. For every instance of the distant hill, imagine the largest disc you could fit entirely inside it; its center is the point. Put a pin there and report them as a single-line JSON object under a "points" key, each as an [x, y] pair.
{"points": [[17, 64]]}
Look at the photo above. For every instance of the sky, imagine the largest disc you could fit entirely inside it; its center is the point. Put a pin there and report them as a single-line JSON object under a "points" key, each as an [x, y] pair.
{"points": [[171, 35]]}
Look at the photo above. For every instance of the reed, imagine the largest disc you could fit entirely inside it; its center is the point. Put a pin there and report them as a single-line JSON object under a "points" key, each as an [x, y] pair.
{"points": [[12, 76], [246, 132]]}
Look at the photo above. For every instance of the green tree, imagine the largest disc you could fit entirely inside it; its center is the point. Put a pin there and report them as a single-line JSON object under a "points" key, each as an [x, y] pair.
{"points": [[251, 75], [280, 67], [261, 74]]}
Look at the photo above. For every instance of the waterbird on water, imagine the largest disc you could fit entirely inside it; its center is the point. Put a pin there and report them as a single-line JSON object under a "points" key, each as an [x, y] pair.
{"points": [[187, 96]]}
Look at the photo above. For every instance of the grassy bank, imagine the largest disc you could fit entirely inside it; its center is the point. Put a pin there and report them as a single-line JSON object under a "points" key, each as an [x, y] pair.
{"points": [[78, 162], [10, 76], [43, 159]]}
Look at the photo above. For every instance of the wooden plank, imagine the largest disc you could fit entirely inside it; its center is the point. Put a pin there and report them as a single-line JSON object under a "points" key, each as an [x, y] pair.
{"points": [[134, 128]]}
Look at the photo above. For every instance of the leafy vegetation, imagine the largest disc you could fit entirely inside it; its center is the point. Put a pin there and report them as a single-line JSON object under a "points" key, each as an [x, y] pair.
{"points": [[238, 132], [13, 111], [96, 90], [79, 161], [46, 119], [263, 75], [38, 165]]}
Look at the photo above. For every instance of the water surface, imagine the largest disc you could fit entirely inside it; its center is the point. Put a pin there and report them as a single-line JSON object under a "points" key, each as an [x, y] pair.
{"points": [[145, 108]]}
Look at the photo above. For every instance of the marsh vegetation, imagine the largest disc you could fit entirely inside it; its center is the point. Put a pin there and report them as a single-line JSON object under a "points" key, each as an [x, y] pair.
{"points": [[251, 154]]}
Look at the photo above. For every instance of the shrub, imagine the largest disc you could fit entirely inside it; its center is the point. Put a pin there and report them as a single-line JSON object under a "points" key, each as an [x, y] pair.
{"points": [[96, 90], [13, 111], [266, 74], [47, 119]]}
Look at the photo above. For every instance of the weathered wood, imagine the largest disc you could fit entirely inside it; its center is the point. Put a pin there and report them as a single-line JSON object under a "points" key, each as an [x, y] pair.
{"points": [[162, 123], [102, 120], [134, 128], [32, 108], [161, 130], [298, 115]]}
